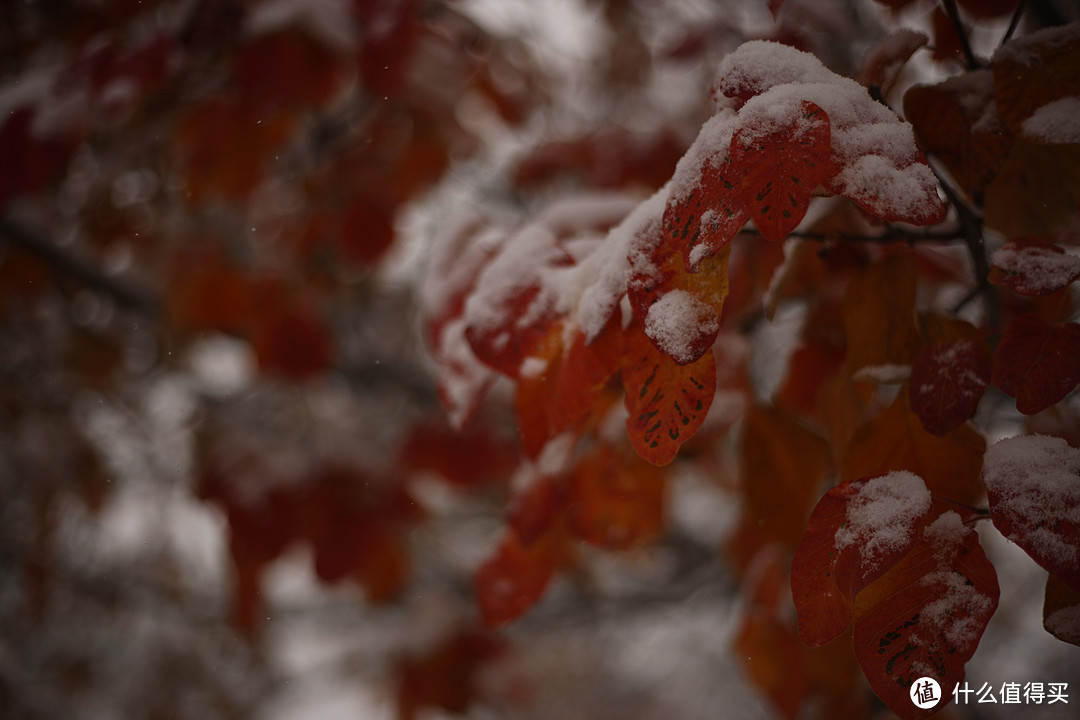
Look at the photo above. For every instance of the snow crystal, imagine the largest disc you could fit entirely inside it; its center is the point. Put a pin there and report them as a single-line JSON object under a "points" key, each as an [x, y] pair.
{"points": [[1042, 269], [677, 321], [1032, 475], [1057, 122], [882, 514]]}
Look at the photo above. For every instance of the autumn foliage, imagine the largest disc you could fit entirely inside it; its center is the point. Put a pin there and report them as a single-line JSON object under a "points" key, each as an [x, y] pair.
{"points": [[844, 300]]}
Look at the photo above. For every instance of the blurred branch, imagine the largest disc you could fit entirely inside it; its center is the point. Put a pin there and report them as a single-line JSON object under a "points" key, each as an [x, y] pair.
{"points": [[77, 268]]}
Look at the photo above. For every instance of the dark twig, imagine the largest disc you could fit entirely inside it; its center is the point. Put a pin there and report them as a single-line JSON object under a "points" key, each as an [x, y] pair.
{"points": [[971, 225], [891, 234], [1015, 21], [77, 268], [954, 17]]}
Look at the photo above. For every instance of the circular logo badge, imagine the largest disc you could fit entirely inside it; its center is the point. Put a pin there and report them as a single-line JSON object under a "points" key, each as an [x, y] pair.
{"points": [[925, 692]]}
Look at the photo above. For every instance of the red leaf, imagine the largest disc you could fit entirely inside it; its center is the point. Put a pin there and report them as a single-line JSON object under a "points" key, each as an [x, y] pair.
{"points": [[514, 578], [559, 386], [924, 617], [616, 499], [682, 309], [533, 511], [884, 63], [780, 164], [282, 72], [773, 658], [667, 402], [1032, 266], [447, 676], [704, 219], [1033, 485], [1061, 610], [856, 533], [293, 343], [947, 381], [1036, 362], [783, 464]]}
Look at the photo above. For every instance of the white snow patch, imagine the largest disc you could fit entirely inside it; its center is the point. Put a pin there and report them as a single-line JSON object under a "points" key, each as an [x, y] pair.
{"points": [[1057, 122], [1034, 476], [678, 321], [1042, 269], [882, 514]]}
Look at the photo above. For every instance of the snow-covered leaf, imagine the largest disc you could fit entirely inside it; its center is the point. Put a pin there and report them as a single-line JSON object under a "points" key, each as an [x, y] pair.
{"points": [[1033, 484]]}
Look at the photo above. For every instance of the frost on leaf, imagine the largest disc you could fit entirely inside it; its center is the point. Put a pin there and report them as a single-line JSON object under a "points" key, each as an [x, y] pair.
{"points": [[1032, 266], [947, 381], [925, 616], [1033, 484], [1036, 362], [856, 533], [666, 402]]}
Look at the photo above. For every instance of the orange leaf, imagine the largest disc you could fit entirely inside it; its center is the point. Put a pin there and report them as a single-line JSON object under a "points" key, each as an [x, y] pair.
{"points": [[771, 652], [1033, 485], [879, 315], [666, 402], [681, 309], [925, 616], [514, 578], [858, 531], [896, 440], [947, 381], [616, 499], [780, 164], [1061, 610], [1036, 362], [558, 386], [783, 465]]}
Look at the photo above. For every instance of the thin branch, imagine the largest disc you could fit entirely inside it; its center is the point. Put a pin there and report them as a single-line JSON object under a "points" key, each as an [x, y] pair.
{"points": [[971, 225], [76, 268], [891, 234], [954, 17], [1015, 21]]}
